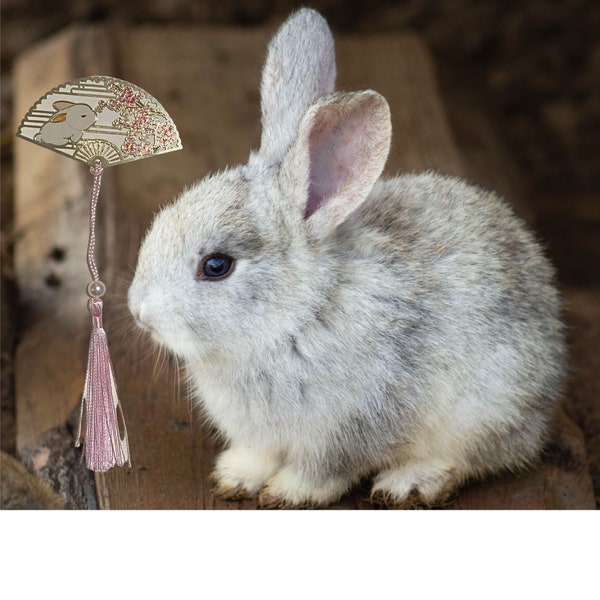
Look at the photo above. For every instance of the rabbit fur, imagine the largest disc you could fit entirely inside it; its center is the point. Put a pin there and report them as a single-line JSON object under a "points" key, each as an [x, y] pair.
{"points": [[405, 328]]}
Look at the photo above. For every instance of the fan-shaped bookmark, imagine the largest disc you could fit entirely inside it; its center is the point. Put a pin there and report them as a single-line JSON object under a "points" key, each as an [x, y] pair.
{"points": [[100, 121]]}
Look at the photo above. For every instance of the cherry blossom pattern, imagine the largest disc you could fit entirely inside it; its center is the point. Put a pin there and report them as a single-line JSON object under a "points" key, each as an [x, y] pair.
{"points": [[146, 129]]}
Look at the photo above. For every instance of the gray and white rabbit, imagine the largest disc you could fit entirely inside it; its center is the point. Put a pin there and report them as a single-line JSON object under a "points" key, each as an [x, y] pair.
{"points": [[67, 124], [335, 325]]}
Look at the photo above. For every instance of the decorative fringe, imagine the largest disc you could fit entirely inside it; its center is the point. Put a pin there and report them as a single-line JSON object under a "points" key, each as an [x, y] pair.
{"points": [[104, 446]]}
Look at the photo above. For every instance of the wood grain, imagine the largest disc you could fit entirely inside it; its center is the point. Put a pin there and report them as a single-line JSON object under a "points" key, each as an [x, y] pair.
{"points": [[51, 221], [208, 81]]}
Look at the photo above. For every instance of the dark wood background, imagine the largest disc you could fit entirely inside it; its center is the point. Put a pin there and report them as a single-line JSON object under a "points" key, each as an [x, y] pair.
{"points": [[519, 87]]}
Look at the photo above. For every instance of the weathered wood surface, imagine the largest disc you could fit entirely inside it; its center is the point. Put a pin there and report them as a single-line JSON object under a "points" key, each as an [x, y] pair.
{"points": [[51, 223], [208, 81]]}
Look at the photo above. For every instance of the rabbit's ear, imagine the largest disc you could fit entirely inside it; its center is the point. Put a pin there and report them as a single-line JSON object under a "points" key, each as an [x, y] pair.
{"points": [[299, 69], [342, 146], [62, 104]]}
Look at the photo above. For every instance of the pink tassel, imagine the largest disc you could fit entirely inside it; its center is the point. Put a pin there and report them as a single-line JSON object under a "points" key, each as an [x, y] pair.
{"points": [[104, 446]]}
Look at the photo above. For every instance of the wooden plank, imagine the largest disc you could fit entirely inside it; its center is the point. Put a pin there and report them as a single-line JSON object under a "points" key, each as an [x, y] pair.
{"points": [[203, 78], [222, 77], [224, 82], [51, 221], [561, 481], [208, 81]]}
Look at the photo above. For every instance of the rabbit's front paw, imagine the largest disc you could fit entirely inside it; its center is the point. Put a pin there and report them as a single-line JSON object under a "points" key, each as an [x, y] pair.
{"points": [[241, 472], [415, 484], [289, 488]]}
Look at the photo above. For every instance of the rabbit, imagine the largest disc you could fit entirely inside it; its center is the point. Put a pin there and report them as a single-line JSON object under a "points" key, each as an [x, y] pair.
{"points": [[337, 325], [67, 124]]}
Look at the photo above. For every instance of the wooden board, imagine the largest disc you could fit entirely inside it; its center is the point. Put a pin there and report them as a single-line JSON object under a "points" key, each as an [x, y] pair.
{"points": [[208, 80], [51, 223]]}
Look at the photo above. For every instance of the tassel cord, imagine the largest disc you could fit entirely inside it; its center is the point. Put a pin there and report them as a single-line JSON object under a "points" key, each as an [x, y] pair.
{"points": [[104, 446], [96, 170]]}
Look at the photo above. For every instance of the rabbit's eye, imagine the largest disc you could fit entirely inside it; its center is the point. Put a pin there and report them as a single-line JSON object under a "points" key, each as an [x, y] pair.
{"points": [[215, 266]]}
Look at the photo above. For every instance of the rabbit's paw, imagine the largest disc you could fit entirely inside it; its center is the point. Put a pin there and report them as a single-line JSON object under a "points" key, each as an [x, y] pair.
{"points": [[240, 472], [289, 488], [415, 484]]}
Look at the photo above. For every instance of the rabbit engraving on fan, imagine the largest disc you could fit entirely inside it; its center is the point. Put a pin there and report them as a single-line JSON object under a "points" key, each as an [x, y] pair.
{"points": [[67, 124], [337, 325]]}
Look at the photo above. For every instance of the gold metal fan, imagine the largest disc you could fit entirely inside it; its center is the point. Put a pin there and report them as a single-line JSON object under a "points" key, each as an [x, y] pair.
{"points": [[100, 118]]}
